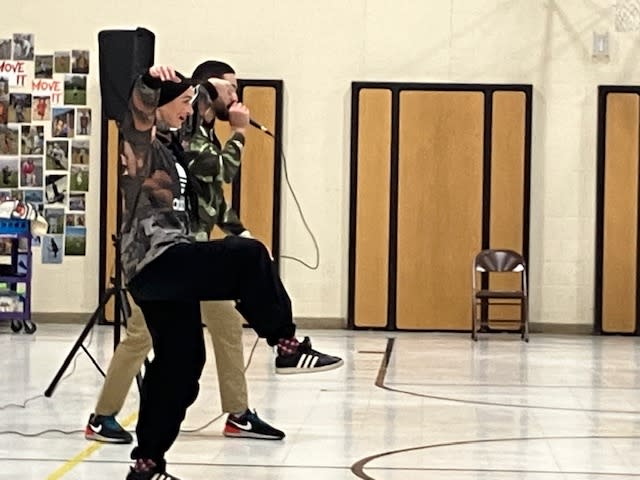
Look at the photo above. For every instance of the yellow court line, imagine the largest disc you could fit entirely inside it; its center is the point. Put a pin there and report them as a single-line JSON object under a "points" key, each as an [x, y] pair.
{"points": [[86, 453]]}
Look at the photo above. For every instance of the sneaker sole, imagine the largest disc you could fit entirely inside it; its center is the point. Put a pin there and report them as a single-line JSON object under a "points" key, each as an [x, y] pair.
{"points": [[99, 438], [257, 436], [296, 370]]}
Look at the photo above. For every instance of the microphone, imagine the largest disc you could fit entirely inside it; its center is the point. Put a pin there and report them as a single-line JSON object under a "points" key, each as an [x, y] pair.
{"points": [[260, 127]]}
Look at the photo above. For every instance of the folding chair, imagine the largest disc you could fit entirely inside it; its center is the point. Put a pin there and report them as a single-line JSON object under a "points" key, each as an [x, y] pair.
{"points": [[498, 261]]}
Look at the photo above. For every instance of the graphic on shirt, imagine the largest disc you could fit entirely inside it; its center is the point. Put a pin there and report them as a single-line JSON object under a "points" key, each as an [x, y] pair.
{"points": [[179, 203]]}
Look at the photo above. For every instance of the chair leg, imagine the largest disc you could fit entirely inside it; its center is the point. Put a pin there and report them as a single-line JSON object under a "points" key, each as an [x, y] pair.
{"points": [[524, 318], [474, 331]]}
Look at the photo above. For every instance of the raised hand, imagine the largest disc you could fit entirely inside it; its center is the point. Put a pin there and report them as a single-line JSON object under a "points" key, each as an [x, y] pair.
{"points": [[238, 116], [164, 73]]}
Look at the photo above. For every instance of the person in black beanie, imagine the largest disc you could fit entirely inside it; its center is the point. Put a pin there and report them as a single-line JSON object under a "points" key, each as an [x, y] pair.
{"points": [[168, 273], [153, 188]]}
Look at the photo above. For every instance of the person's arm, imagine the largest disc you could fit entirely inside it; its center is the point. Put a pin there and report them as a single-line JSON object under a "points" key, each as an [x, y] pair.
{"points": [[204, 156], [136, 135], [238, 118], [231, 156], [208, 162]]}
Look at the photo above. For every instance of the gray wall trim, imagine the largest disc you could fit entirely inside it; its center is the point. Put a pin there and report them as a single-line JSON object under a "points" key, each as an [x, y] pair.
{"points": [[324, 323]]}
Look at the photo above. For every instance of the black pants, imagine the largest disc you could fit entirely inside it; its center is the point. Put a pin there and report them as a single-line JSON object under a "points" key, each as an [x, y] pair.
{"points": [[169, 291], [170, 383], [234, 268]]}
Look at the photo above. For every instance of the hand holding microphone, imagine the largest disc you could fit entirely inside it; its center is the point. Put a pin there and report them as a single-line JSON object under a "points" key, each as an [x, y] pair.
{"points": [[222, 91], [238, 117]]}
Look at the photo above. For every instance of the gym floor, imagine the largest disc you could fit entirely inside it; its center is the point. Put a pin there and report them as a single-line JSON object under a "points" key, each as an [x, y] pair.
{"points": [[405, 405]]}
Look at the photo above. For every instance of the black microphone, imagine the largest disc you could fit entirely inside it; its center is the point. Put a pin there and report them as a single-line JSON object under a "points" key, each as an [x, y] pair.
{"points": [[260, 127]]}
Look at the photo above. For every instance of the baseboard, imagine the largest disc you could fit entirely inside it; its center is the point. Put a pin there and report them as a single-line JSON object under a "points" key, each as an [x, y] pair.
{"points": [[334, 323], [561, 328], [321, 323], [80, 318]]}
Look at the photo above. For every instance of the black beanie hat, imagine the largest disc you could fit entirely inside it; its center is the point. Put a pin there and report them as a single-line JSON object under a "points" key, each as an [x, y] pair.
{"points": [[170, 90]]}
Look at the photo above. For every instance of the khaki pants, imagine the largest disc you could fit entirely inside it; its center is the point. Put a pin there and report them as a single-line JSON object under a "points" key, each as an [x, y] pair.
{"points": [[225, 328]]}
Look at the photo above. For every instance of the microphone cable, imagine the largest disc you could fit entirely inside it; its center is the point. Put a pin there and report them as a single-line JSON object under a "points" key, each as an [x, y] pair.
{"points": [[24, 406], [297, 203]]}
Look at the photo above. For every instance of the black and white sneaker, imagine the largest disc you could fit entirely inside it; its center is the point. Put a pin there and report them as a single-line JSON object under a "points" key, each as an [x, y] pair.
{"points": [[306, 360], [249, 425], [148, 470], [133, 475], [105, 428]]}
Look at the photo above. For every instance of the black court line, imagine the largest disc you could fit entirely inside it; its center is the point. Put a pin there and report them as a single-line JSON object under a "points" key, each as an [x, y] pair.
{"points": [[382, 372], [358, 467], [500, 470]]}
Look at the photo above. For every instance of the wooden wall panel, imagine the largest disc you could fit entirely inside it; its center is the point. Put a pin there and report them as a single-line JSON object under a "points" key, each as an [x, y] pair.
{"points": [[439, 207], [258, 165], [619, 283], [507, 188], [372, 215]]}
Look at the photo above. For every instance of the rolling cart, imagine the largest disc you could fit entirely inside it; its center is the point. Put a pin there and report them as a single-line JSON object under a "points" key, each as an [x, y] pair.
{"points": [[15, 277]]}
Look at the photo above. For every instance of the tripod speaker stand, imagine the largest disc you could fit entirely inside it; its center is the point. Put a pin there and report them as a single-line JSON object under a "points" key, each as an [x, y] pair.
{"points": [[123, 311], [124, 54]]}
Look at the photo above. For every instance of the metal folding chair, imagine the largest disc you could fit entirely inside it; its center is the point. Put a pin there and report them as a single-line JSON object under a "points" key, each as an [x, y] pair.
{"points": [[498, 261]]}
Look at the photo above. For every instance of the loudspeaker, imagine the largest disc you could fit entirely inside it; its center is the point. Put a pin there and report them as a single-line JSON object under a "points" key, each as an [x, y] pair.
{"points": [[124, 54]]}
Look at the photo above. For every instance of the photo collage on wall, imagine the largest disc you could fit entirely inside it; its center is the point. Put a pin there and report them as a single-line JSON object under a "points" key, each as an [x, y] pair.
{"points": [[45, 128]]}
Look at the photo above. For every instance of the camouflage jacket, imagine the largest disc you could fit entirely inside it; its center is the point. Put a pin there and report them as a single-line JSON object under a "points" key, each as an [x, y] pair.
{"points": [[209, 168], [152, 183]]}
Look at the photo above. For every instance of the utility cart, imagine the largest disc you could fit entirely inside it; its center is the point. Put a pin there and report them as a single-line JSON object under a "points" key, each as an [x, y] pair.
{"points": [[15, 276]]}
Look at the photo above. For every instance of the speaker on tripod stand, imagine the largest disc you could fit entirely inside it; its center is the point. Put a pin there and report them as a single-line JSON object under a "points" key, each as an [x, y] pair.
{"points": [[124, 54]]}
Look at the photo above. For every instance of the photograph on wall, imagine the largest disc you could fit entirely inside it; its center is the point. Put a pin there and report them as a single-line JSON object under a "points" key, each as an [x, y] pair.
{"points": [[55, 220], [32, 140], [20, 107], [77, 202], [41, 109], [9, 139], [57, 155], [5, 195], [4, 89], [5, 246], [9, 172], [55, 190], [17, 194], [4, 111], [79, 179], [23, 46], [75, 220], [75, 241], [62, 120], [80, 152], [31, 172], [52, 248], [44, 66], [83, 121], [61, 62], [80, 61], [5, 49], [75, 90], [35, 197]]}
